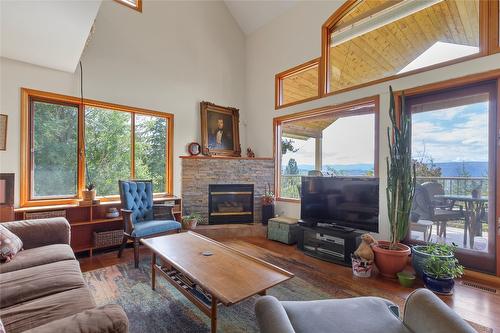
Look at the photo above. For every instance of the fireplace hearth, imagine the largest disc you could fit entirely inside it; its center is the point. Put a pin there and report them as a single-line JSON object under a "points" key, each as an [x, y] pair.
{"points": [[230, 203]]}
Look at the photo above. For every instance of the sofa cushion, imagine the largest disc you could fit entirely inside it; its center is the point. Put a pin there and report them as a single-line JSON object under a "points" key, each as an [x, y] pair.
{"points": [[28, 315], [146, 228], [10, 244], [28, 284], [339, 316], [38, 256]]}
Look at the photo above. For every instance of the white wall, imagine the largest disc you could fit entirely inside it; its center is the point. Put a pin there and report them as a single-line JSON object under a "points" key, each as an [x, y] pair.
{"points": [[168, 59], [294, 38]]}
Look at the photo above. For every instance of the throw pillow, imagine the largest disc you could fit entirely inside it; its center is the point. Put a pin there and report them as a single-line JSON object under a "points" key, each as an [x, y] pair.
{"points": [[10, 244]]}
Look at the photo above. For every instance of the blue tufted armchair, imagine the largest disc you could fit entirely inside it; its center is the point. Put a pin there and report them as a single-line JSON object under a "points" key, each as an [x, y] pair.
{"points": [[141, 218]]}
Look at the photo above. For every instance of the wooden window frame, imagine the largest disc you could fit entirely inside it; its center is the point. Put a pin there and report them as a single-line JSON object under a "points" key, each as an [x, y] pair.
{"points": [[137, 6], [494, 15], [488, 40], [457, 83], [29, 95], [344, 108], [278, 82]]}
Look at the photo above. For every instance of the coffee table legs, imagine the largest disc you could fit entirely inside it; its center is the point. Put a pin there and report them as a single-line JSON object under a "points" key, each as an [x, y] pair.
{"points": [[213, 315], [153, 271]]}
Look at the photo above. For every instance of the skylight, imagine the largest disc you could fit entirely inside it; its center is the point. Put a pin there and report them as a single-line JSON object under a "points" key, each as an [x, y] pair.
{"points": [[438, 53]]}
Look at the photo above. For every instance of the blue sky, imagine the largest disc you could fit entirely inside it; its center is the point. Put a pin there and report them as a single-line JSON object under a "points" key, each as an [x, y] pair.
{"points": [[452, 135]]}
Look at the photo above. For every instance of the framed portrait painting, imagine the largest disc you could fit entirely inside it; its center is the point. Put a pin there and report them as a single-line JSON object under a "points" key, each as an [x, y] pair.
{"points": [[220, 135]]}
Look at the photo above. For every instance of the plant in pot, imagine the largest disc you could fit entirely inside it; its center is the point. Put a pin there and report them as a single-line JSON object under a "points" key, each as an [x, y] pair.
{"points": [[439, 274], [391, 256], [190, 221], [421, 252], [267, 201], [89, 193]]}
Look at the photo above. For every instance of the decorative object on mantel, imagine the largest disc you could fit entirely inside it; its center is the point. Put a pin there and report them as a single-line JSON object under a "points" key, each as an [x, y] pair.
{"points": [[112, 213], [194, 149], [3, 131], [267, 201], [220, 133], [250, 153], [190, 221]]}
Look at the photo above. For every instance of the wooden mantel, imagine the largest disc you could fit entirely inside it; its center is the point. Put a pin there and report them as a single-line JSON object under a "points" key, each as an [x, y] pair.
{"points": [[202, 157]]}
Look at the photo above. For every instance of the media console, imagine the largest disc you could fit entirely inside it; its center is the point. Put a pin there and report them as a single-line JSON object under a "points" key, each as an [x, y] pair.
{"points": [[328, 242]]}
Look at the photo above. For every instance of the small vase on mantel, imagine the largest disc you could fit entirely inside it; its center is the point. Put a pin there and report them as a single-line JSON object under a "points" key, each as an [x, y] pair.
{"points": [[267, 201]]}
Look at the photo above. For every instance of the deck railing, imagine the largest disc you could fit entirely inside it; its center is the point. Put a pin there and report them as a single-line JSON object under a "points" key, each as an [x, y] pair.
{"points": [[290, 185]]}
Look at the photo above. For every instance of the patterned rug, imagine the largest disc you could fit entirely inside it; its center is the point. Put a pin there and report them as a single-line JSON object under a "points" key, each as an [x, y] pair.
{"points": [[167, 310]]}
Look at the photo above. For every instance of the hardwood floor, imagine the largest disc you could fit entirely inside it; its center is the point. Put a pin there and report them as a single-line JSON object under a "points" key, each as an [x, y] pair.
{"points": [[475, 305]]}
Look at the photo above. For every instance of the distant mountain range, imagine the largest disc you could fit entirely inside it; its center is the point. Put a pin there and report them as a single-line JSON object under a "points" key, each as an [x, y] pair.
{"points": [[448, 169]]}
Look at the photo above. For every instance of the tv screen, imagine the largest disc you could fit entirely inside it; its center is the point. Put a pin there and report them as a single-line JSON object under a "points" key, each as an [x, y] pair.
{"points": [[344, 201]]}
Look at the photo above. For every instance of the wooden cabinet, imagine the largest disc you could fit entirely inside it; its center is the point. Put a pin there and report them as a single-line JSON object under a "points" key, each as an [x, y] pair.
{"points": [[85, 220]]}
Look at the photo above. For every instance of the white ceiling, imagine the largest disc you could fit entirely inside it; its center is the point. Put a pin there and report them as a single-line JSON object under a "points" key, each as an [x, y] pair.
{"points": [[253, 14], [49, 33]]}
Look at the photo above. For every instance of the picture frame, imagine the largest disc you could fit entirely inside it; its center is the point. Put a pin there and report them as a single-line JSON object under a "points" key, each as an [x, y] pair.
{"points": [[194, 149], [220, 133], [3, 131]]}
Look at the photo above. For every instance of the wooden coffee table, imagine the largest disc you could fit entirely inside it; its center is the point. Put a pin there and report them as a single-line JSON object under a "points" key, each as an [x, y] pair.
{"points": [[209, 273]]}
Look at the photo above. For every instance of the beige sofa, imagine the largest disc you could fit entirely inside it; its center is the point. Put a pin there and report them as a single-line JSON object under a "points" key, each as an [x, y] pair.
{"points": [[42, 289], [424, 313]]}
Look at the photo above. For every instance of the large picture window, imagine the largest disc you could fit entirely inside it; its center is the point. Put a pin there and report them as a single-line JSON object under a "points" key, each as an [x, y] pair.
{"points": [[67, 146], [378, 39], [336, 141]]}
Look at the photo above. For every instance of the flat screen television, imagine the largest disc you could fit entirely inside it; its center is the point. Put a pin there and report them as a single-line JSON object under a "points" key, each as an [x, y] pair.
{"points": [[341, 201]]}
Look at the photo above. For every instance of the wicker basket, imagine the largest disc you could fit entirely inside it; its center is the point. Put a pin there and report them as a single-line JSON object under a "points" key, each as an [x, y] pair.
{"points": [[108, 238]]}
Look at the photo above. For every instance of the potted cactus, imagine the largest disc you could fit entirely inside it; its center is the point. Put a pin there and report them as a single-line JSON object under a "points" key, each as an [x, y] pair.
{"points": [[391, 256]]}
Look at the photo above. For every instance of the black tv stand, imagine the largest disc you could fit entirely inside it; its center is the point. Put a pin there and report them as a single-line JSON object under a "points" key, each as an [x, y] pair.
{"points": [[329, 242], [334, 227]]}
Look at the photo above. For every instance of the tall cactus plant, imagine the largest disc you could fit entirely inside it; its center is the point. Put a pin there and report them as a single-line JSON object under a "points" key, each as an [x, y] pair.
{"points": [[401, 179]]}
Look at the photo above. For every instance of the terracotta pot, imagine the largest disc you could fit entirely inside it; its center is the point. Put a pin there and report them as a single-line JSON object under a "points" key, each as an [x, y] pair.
{"points": [[88, 195], [389, 262], [189, 224]]}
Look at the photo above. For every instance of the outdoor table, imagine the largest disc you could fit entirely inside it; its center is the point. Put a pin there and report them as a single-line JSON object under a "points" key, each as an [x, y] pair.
{"points": [[474, 209]]}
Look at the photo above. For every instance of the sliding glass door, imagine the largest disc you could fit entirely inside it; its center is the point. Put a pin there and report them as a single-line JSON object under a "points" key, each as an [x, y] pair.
{"points": [[454, 148]]}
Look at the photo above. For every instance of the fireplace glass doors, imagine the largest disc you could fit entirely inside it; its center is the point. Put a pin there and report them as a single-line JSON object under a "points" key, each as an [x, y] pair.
{"points": [[230, 203]]}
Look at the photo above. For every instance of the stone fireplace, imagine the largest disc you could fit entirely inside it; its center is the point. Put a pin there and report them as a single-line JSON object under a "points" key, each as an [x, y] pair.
{"points": [[199, 173]]}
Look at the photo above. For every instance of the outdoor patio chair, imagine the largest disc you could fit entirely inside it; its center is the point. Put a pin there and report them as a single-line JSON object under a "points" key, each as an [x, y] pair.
{"points": [[430, 208]]}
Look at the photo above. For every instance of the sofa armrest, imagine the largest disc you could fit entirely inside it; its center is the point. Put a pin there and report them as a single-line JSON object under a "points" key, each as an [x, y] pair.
{"points": [[426, 313], [36, 233], [105, 319], [271, 316]]}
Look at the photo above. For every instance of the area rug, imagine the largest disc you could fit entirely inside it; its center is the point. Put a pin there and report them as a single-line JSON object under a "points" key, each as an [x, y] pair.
{"points": [[167, 310]]}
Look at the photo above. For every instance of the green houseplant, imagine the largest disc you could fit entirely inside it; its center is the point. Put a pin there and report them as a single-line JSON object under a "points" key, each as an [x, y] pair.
{"points": [[421, 252], [391, 256], [439, 274], [190, 221]]}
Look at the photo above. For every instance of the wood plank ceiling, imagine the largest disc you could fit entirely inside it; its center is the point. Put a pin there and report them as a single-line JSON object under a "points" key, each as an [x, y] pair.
{"points": [[385, 51]]}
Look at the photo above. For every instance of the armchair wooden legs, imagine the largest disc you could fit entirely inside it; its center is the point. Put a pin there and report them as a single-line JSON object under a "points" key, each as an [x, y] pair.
{"points": [[136, 252], [122, 247]]}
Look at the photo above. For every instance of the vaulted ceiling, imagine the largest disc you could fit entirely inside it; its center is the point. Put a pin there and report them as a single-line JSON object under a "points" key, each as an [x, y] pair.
{"points": [[49, 33]]}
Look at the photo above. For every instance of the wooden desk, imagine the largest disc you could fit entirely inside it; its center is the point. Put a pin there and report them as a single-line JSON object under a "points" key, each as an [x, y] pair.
{"points": [[226, 277]]}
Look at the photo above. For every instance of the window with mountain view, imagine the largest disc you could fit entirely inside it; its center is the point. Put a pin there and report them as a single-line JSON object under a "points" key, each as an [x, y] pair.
{"points": [[114, 142], [453, 153], [334, 143], [376, 39]]}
